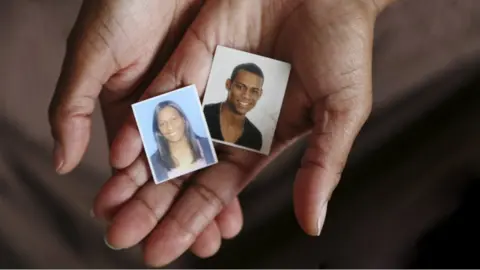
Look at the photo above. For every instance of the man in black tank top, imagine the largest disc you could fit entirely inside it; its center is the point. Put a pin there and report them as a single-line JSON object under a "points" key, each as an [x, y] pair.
{"points": [[227, 120]]}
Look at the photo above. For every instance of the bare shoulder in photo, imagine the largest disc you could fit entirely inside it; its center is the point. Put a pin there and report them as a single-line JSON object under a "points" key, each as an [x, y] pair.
{"points": [[174, 133], [243, 98]]}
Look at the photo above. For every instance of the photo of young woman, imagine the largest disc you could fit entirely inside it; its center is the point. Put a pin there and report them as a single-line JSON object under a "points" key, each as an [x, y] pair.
{"points": [[179, 149], [174, 134]]}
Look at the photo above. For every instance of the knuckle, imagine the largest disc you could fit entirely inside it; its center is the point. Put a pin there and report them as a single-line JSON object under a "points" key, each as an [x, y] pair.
{"points": [[155, 198], [131, 174], [183, 228], [209, 196], [137, 173], [74, 107], [178, 182], [314, 162], [152, 215]]}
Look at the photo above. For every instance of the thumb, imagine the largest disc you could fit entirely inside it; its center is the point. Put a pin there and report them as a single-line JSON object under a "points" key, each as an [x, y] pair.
{"points": [[87, 65], [324, 159]]}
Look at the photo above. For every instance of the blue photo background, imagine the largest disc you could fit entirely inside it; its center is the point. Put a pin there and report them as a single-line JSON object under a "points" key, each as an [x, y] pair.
{"points": [[187, 98]]}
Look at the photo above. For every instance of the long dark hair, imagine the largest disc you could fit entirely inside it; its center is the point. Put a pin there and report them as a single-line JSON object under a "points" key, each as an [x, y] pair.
{"points": [[162, 144]]}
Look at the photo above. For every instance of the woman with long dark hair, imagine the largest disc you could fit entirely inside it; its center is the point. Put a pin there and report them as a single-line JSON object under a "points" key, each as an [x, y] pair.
{"points": [[179, 149]]}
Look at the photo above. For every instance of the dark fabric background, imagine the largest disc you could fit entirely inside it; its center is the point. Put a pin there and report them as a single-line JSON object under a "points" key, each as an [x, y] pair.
{"points": [[402, 190]]}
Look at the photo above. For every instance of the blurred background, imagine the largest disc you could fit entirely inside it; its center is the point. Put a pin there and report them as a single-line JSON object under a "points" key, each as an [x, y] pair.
{"points": [[407, 197]]}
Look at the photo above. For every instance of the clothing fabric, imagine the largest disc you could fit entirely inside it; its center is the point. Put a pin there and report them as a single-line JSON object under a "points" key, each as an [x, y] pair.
{"points": [[251, 136], [162, 173]]}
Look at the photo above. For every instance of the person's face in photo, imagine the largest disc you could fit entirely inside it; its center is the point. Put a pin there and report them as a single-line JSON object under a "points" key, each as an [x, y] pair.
{"points": [[244, 91], [171, 124]]}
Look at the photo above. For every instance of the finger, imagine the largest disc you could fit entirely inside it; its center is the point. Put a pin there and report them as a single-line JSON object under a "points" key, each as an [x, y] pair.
{"points": [[127, 145], [104, 50], [227, 225], [211, 191], [86, 67], [137, 218], [230, 220], [336, 74], [115, 107], [208, 242], [120, 188], [323, 162]]}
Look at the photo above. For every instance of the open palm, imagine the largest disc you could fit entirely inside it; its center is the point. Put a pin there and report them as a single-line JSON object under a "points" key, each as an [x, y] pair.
{"points": [[115, 48], [328, 43]]}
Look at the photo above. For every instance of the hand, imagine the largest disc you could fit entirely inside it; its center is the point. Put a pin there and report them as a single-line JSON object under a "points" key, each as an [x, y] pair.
{"points": [[328, 98], [114, 48]]}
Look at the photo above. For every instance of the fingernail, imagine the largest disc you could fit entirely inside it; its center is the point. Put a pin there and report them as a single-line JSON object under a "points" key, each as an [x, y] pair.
{"points": [[58, 157], [108, 244], [321, 218]]}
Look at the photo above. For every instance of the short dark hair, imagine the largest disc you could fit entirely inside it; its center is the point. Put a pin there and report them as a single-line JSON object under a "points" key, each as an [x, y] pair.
{"points": [[250, 67]]}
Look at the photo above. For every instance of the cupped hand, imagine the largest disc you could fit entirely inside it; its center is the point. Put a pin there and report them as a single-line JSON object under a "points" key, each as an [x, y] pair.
{"points": [[115, 47], [328, 99]]}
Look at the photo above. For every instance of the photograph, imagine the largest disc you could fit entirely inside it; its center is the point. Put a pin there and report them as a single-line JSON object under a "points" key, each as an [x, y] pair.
{"points": [[243, 98], [174, 133]]}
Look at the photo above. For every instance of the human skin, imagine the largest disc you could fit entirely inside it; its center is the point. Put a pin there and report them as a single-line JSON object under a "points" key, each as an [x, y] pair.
{"points": [[328, 99], [171, 124], [244, 92], [114, 51]]}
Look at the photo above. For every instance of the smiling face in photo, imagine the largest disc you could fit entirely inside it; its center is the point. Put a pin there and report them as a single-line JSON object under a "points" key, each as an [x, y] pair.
{"points": [[246, 114], [244, 91], [171, 124]]}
